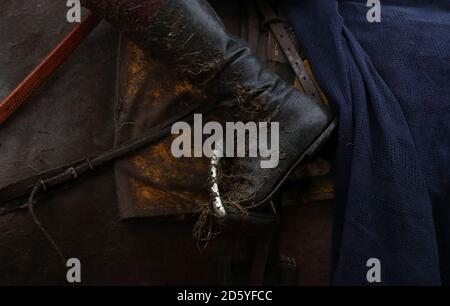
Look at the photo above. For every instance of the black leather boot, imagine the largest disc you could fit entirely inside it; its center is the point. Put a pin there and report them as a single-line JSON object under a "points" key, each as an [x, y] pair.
{"points": [[190, 38]]}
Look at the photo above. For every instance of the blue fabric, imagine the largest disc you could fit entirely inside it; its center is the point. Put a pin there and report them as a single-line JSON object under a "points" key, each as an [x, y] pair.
{"points": [[389, 84]]}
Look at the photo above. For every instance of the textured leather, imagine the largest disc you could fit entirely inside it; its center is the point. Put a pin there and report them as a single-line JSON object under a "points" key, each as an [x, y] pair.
{"points": [[189, 36], [70, 117], [152, 182]]}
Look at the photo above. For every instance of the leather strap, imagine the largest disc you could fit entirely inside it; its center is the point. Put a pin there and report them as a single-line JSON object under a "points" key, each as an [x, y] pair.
{"points": [[72, 172], [287, 45], [46, 68]]}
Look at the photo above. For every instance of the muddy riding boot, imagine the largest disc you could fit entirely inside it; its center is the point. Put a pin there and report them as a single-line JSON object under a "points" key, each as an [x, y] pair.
{"points": [[189, 37]]}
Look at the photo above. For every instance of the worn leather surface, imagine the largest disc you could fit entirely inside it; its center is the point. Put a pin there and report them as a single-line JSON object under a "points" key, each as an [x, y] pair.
{"points": [[152, 182], [37, 137], [188, 37], [70, 117]]}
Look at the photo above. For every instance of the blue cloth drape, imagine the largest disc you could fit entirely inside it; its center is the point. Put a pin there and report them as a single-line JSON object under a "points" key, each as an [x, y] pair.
{"points": [[389, 84]]}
